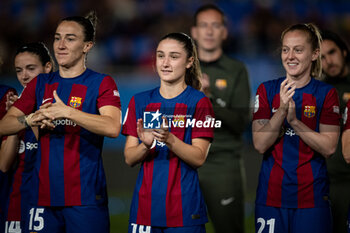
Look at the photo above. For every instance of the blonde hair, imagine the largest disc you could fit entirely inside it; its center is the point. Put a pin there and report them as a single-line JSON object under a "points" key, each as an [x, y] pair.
{"points": [[314, 38]]}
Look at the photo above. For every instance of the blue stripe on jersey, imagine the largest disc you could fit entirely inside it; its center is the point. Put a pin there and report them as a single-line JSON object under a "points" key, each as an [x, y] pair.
{"points": [[56, 169]]}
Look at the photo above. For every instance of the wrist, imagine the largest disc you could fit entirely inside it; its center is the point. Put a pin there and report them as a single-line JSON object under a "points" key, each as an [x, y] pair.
{"points": [[28, 120]]}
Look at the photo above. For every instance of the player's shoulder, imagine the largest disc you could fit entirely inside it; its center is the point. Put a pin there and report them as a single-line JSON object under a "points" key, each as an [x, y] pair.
{"points": [[321, 84]]}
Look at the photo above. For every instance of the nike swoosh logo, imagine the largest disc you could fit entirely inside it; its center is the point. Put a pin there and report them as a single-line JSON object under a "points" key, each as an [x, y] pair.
{"points": [[46, 100], [226, 201], [274, 110]]}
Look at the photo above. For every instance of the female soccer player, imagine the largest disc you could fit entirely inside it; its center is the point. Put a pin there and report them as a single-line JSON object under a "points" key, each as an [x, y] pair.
{"points": [[167, 197], [346, 145], [30, 60], [296, 127], [76, 107]]}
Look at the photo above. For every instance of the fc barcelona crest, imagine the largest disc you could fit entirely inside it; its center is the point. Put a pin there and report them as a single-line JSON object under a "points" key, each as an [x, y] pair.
{"points": [[310, 111], [75, 102]]}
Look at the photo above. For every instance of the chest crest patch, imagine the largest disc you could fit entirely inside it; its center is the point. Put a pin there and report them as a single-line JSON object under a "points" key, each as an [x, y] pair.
{"points": [[221, 84], [75, 102], [309, 111]]}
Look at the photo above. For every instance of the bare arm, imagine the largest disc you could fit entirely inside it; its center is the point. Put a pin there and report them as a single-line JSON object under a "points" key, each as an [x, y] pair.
{"points": [[324, 142], [12, 122], [346, 145], [8, 152], [194, 155], [266, 131], [135, 152], [108, 123]]}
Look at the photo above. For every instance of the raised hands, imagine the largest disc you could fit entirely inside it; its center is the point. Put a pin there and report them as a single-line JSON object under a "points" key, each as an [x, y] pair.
{"points": [[49, 112], [287, 91], [10, 99]]}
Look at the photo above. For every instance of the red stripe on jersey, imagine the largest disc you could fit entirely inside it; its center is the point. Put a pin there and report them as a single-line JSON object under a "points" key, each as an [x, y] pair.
{"points": [[14, 208], [274, 189], [71, 160], [145, 194], [44, 175], [173, 202], [304, 172], [261, 105]]}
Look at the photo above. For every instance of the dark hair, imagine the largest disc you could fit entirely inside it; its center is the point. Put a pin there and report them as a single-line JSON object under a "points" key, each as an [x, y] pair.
{"points": [[193, 74], [329, 35], [39, 49], [314, 38], [88, 23], [207, 7]]}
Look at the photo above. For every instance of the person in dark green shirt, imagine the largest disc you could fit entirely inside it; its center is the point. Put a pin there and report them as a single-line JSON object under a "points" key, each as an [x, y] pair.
{"points": [[335, 57], [225, 81]]}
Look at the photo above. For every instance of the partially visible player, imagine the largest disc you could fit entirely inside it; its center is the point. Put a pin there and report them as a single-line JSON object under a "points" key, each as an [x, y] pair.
{"points": [[296, 127], [167, 196], [346, 146], [225, 81], [335, 66], [75, 108], [5, 148], [31, 59]]}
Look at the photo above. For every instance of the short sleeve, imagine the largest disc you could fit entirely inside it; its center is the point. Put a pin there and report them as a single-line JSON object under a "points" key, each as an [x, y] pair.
{"points": [[330, 114], [27, 100], [108, 93], [204, 113], [261, 105], [129, 123], [346, 116]]}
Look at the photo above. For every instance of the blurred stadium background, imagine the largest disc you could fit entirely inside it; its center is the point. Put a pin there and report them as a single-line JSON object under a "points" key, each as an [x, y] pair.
{"points": [[127, 34]]}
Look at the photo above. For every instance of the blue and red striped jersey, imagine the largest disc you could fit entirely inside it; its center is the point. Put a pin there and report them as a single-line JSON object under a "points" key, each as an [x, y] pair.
{"points": [[167, 192], [21, 192], [5, 178], [346, 116], [293, 175], [69, 164]]}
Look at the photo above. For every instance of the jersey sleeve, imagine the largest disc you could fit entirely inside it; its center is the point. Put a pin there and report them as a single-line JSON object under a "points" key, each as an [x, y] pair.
{"points": [[129, 124], [346, 116], [108, 93], [27, 100], [330, 114], [261, 106], [204, 112]]}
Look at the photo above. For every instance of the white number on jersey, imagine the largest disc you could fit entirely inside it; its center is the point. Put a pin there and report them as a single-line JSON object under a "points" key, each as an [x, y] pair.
{"points": [[270, 223], [36, 220]]}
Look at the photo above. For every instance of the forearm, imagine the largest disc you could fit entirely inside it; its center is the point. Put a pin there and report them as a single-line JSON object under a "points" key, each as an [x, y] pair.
{"points": [[99, 124], [266, 132], [8, 152], [136, 154], [324, 143], [193, 155], [346, 145], [12, 124]]}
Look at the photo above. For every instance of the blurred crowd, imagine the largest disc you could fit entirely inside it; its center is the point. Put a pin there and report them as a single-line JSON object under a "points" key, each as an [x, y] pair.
{"points": [[129, 29]]}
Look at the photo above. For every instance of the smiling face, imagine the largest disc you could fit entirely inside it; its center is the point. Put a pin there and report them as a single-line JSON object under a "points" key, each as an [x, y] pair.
{"points": [[28, 66], [69, 45], [172, 61], [297, 55], [333, 59]]}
